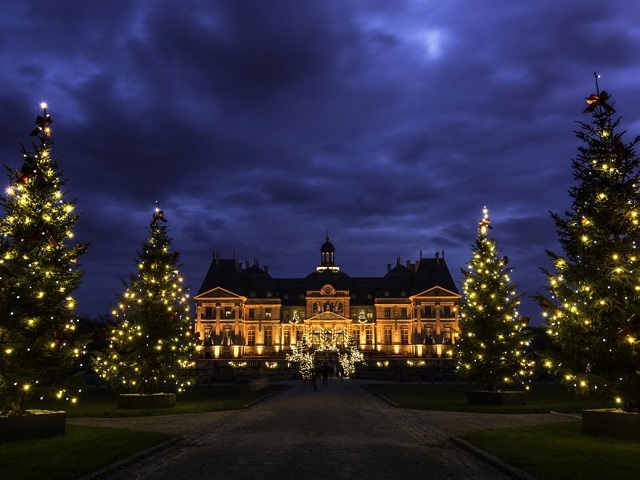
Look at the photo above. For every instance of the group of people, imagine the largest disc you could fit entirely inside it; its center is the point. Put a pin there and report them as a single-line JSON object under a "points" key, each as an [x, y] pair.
{"points": [[325, 370]]}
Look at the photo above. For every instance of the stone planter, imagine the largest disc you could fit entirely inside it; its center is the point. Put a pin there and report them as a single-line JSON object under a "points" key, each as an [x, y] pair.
{"points": [[484, 397], [611, 422], [154, 400], [37, 424]]}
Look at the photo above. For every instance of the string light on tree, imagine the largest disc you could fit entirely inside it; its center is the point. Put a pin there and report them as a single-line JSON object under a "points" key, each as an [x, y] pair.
{"points": [[39, 343], [303, 358], [350, 356], [493, 342], [151, 344], [593, 296]]}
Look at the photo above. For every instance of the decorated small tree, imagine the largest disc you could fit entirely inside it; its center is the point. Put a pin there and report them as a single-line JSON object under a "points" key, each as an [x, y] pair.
{"points": [[151, 344], [492, 347], [39, 343], [303, 358], [350, 356], [593, 301]]}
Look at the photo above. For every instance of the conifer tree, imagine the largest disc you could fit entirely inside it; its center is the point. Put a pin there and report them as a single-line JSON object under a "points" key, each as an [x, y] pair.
{"points": [[350, 356], [492, 347], [39, 343], [593, 301], [301, 356], [151, 344]]}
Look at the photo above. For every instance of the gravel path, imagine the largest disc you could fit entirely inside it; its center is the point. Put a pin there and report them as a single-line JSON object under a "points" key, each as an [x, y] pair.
{"points": [[339, 431]]}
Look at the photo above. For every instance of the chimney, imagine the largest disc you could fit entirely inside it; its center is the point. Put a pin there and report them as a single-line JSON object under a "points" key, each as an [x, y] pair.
{"points": [[217, 257], [388, 267], [408, 263], [437, 257]]}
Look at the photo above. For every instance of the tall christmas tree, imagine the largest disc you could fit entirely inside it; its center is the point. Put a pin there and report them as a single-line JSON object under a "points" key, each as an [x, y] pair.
{"points": [[593, 306], [151, 344], [492, 347], [38, 275]]}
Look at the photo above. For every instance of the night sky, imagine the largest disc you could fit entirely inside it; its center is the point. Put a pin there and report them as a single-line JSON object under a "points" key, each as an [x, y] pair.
{"points": [[260, 126]]}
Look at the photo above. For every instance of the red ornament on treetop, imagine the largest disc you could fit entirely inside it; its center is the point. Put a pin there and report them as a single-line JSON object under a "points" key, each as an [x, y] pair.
{"points": [[594, 100]]}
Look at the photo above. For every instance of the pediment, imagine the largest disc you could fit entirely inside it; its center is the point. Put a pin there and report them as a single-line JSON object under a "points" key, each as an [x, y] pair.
{"points": [[436, 292], [327, 317], [219, 293]]}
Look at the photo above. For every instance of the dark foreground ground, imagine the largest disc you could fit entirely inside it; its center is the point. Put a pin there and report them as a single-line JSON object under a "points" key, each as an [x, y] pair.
{"points": [[339, 431]]}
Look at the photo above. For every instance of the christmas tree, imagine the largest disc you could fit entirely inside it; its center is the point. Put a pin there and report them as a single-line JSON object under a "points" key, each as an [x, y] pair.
{"points": [[350, 356], [151, 343], [593, 305], [301, 356], [492, 347], [39, 343]]}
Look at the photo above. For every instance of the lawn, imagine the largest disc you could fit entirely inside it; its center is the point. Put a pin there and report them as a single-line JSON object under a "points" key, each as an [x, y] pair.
{"points": [[102, 402], [453, 398], [80, 451], [83, 450], [549, 452], [561, 452]]}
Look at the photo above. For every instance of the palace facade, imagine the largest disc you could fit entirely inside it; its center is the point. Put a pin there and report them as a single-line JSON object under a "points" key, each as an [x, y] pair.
{"points": [[242, 312]]}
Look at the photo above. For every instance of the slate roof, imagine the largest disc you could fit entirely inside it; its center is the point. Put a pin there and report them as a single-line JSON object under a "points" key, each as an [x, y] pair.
{"points": [[398, 282], [223, 273], [433, 272], [401, 281]]}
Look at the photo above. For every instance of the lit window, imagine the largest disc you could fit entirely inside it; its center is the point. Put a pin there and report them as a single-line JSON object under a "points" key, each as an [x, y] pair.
{"points": [[404, 335]]}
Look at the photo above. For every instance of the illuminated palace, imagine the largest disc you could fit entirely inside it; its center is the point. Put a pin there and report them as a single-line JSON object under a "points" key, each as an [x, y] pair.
{"points": [[244, 312]]}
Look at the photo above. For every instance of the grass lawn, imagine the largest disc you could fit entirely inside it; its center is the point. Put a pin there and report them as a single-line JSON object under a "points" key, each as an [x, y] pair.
{"points": [[561, 452], [549, 452], [453, 398], [102, 402], [80, 451], [83, 450]]}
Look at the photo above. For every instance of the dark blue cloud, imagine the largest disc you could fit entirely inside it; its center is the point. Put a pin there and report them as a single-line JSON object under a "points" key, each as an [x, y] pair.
{"points": [[260, 126]]}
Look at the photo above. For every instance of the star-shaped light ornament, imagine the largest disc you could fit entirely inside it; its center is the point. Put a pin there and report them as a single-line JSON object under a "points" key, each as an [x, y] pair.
{"points": [[43, 121], [485, 223], [158, 215]]}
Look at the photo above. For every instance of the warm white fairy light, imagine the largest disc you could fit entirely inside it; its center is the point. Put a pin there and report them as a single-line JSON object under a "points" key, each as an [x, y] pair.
{"points": [[137, 358], [488, 297]]}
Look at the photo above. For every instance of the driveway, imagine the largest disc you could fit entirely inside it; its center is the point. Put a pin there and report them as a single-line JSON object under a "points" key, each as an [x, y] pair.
{"points": [[339, 431]]}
